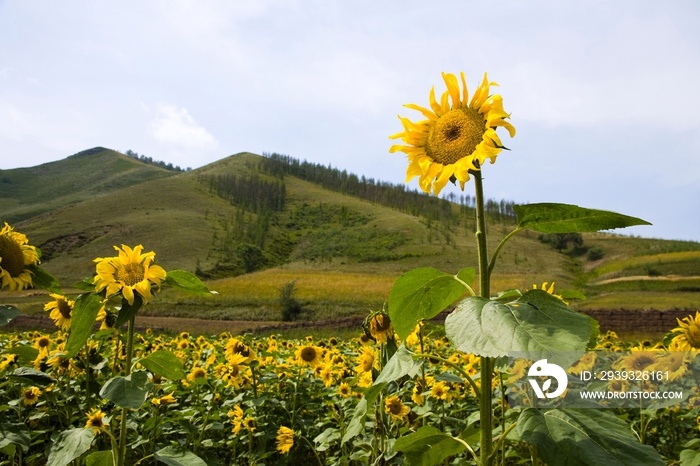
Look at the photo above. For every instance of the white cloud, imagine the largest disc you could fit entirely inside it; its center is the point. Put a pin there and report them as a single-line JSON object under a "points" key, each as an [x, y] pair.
{"points": [[177, 127]]}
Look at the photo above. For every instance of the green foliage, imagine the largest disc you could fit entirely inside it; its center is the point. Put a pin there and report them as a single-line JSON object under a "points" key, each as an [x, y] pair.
{"points": [[69, 445], [586, 436], [560, 241], [595, 253], [311, 216], [537, 323], [164, 363], [422, 294], [566, 218], [178, 456], [85, 311], [186, 281], [7, 313], [290, 306], [428, 446], [363, 244], [127, 392]]}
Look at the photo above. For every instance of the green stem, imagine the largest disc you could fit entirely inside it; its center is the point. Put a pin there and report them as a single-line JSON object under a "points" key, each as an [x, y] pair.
{"points": [[492, 263], [127, 368], [312, 449], [87, 378], [485, 401]]}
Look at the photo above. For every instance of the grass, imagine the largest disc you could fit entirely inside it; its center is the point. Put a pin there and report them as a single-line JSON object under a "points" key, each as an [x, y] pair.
{"points": [[642, 300]]}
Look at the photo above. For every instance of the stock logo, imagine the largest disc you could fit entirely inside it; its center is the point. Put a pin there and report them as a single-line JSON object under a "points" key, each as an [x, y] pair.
{"points": [[542, 368]]}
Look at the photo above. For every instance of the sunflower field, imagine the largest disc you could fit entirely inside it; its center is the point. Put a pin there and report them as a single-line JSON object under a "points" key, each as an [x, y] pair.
{"points": [[513, 377]]}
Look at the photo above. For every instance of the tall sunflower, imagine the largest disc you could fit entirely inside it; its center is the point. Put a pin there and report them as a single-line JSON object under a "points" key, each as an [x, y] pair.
{"points": [[456, 138], [285, 439], [127, 273], [15, 256]]}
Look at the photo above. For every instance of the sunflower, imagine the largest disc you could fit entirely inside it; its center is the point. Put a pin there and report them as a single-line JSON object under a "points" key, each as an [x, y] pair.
{"points": [[688, 338], [249, 423], [344, 390], [42, 344], [309, 355], [380, 327], [440, 391], [365, 360], [455, 139], [196, 373], [164, 400], [585, 363], [395, 407], [673, 363], [96, 420], [60, 310], [128, 272], [637, 360], [30, 396], [15, 256], [285, 439]]}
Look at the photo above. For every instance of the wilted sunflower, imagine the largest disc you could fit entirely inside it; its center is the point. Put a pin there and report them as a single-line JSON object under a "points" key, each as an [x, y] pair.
{"points": [[128, 272], [455, 138], [285, 439], [380, 327], [15, 256], [395, 407], [60, 310], [688, 338]]}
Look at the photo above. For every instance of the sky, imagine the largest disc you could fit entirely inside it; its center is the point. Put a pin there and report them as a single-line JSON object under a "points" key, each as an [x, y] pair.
{"points": [[603, 94]]}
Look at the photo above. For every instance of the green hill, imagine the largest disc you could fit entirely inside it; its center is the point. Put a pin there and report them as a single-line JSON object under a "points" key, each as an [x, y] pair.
{"points": [[251, 225]]}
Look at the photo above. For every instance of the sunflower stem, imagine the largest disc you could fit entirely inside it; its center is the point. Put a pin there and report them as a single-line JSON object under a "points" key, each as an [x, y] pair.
{"points": [[127, 369], [485, 400]]}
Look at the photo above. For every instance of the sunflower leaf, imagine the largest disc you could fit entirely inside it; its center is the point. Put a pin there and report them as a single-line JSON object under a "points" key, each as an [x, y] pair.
{"points": [[586, 436], [187, 281], [177, 456], [7, 313], [85, 311], [70, 445], [537, 323], [566, 218], [128, 311], [165, 364], [33, 376], [26, 353], [127, 392], [357, 423], [422, 294], [45, 280], [86, 284], [427, 446]]}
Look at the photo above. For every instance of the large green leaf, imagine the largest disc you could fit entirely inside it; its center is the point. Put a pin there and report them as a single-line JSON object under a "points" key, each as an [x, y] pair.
{"points": [[26, 353], [537, 323], [43, 279], [175, 456], [33, 376], [15, 435], [100, 458], [69, 445], [400, 364], [165, 364], [128, 311], [422, 294], [566, 218], [187, 281], [127, 392], [427, 446], [586, 436], [7, 313], [357, 423], [85, 311]]}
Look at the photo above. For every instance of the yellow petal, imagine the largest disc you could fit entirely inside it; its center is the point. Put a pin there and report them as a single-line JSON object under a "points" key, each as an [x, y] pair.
{"points": [[426, 113], [128, 294], [465, 100], [433, 103], [452, 88]]}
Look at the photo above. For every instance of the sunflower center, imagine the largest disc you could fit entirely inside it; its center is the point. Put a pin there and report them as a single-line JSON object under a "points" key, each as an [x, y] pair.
{"points": [[64, 308], [130, 274], [642, 361], [455, 135], [12, 256], [693, 336], [308, 354]]}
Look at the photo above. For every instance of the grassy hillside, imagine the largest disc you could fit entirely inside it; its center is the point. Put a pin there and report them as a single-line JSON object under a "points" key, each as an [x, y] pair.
{"points": [[249, 233]]}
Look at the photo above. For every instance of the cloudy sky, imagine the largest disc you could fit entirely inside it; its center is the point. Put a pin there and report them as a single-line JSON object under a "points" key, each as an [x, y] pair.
{"points": [[603, 94]]}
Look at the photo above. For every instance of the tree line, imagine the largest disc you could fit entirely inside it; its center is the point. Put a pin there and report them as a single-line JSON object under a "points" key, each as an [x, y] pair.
{"points": [[395, 196], [157, 163]]}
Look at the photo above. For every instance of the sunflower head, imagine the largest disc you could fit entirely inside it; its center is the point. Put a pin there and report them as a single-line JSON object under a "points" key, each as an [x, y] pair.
{"points": [[96, 420], [15, 258], [129, 272], [688, 334], [60, 310], [285, 439], [457, 136], [309, 355], [395, 408], [30, 396], [379, 327]]}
